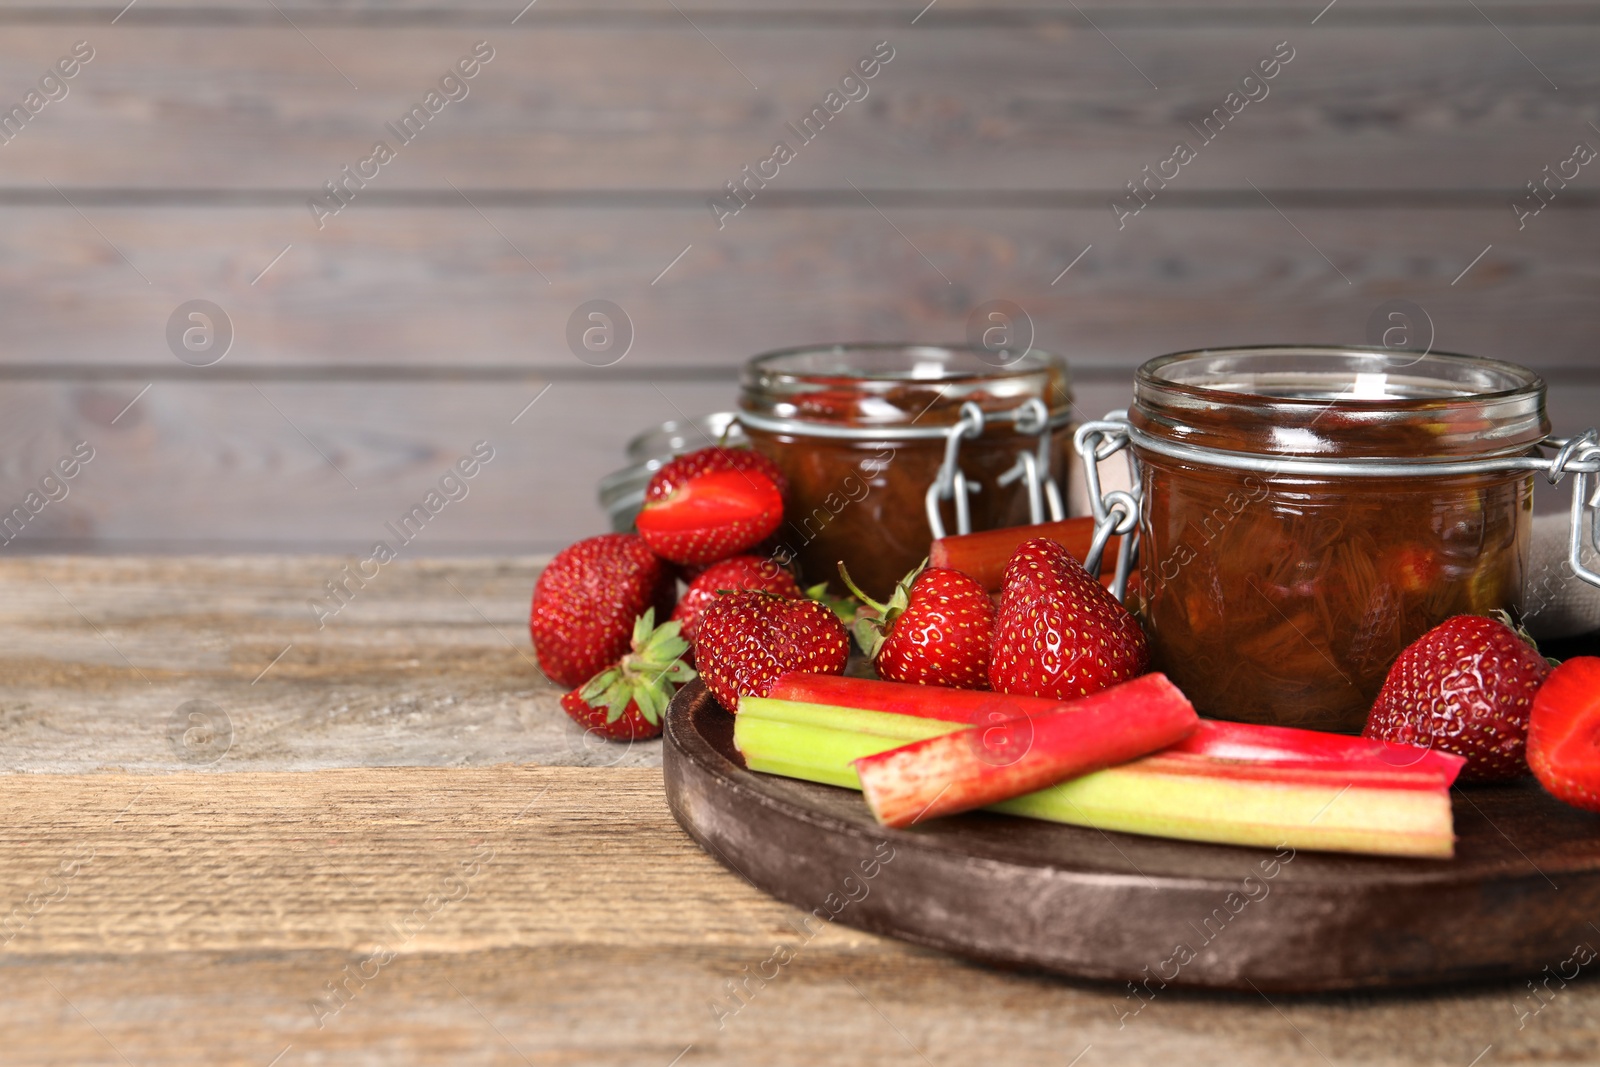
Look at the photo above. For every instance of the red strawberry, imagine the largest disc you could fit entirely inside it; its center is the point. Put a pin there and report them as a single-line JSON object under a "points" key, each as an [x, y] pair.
{"points": [[586, 601], [1564, 733], [933, 631], [748, 639], [740, 572], [1058, 632], [629, 726], [626, 702], [712, 504], [1466, 686]]}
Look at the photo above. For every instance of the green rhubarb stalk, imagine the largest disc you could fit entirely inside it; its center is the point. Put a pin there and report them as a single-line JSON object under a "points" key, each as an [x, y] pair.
{"points": [[1324, 816], [1196, 798], [814, 753], [836, 717]]}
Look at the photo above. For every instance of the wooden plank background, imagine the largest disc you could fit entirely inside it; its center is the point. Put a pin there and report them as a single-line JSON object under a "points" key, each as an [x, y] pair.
{"points": [[428, 312]]}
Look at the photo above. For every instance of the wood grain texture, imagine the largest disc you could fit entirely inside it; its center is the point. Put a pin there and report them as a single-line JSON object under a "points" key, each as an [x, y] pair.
{"points": [[286, 464], [444, 287], [250, 468], [214, 909], [612, 105], [340, 859], [427, 664], [179, 165], [578, 168]]}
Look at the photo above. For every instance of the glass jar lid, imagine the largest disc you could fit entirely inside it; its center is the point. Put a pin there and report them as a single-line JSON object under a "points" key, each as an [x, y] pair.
{"points": [[1340, 403], [920, 388]]}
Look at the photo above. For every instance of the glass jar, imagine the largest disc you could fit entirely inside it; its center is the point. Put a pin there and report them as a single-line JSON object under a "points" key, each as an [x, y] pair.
{"points": [[1307, 513], [887, 446]]}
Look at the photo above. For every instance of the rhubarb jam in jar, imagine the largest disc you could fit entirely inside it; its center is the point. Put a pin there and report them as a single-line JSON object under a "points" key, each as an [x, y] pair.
{"points": [[887, 446], [1308, 512]]}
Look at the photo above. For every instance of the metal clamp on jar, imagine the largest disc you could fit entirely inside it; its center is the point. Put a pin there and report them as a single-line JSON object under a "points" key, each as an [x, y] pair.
{"points": [[881, 442], [1305, 513]]}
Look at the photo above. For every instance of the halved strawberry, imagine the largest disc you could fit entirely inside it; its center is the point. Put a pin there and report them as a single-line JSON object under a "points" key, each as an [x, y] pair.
{"points": [[1564, 733], [933, 631], [626, 702], [711, 504]]}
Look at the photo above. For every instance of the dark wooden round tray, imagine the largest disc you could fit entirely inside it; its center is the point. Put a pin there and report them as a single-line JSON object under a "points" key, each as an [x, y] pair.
{"points": [[1519, 895]]}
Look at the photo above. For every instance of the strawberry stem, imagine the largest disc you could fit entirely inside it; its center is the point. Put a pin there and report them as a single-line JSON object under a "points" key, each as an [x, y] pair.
{"points": [[870, 631], [844, 576], [1503, 617]]}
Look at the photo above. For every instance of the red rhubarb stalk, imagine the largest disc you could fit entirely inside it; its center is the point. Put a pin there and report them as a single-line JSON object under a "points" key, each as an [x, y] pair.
{"points": [[1259, 745], [984, 555], [1360, 805], [901, 698], [1290, 747], [987, 764]]}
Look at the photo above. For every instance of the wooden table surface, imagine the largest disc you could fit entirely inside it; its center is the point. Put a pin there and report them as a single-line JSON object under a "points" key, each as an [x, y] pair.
{"points": [[382, 843]]}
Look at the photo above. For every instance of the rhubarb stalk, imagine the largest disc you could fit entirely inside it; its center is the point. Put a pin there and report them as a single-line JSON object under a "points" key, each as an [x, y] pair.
{"points": [[983, 765], [1240, 741], [968, 706], [984, 555], [1369, 803]]}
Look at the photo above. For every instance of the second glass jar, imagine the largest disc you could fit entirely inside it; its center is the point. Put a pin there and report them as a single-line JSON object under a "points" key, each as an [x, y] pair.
{"points": [[858, 430]]}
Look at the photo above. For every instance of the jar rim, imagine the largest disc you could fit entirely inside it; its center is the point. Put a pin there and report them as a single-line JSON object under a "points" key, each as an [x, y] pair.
{"points": [[1519, 381], [1353, 402], [926, 361], [867, 390]]}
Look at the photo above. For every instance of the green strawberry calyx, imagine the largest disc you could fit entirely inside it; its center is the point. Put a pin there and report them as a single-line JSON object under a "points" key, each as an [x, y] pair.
{"points": [[870, 629], [1503, 617], [647, 676]]}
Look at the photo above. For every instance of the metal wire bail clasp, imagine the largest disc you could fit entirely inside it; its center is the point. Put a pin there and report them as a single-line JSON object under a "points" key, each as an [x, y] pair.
{"points": [[950, 482], [1117, 511], [1580, 457], [1032, 418]]}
